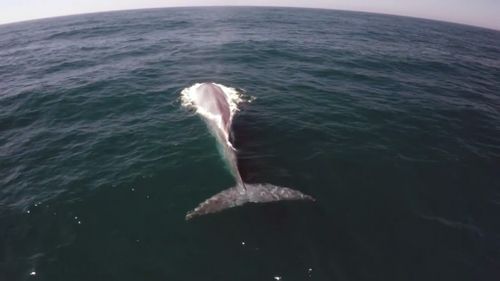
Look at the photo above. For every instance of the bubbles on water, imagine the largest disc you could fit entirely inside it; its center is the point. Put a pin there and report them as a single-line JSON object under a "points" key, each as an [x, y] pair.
{"points": [[76, 218], [33, 273], [277, 278]]}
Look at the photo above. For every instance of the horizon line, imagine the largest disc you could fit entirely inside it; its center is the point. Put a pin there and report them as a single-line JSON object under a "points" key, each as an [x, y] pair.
{"points": [[497, 29]]}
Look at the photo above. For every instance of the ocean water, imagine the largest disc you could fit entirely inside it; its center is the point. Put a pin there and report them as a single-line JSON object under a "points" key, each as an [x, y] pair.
{"points": [[391, 123]]}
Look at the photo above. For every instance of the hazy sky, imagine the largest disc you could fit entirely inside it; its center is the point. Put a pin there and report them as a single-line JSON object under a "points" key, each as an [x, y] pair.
{"points": [[475, 12]]}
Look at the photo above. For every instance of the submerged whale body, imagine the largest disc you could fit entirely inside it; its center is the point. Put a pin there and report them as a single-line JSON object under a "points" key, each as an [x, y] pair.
{"points": [[217, 105]]}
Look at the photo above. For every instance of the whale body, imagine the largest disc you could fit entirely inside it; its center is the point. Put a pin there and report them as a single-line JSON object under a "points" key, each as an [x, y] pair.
{"points": [[217, 108]]}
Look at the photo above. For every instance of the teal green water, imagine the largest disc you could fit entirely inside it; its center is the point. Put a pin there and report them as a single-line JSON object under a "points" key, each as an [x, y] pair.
{"points": [[391, 123]]}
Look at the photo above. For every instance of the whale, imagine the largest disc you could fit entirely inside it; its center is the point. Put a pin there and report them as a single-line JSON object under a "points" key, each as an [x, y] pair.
{"points": [[217, 105]]}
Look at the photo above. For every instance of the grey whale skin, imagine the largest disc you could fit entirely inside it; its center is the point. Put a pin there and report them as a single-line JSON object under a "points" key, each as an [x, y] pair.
{"points": [[212, 100]]}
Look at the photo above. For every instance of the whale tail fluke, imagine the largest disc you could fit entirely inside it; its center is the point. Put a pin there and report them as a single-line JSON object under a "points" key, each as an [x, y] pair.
{"points": [[252, 193]]}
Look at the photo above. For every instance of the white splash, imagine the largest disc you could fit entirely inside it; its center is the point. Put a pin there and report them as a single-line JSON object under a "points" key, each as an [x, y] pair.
{"points": [[189, 96]]}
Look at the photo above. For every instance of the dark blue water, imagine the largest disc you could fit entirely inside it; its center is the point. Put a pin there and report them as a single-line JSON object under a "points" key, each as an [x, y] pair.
{"points": [[392, 123]]}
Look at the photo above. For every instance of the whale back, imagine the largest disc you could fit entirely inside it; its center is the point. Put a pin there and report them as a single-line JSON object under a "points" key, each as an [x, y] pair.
{"points": [[213, 101]]}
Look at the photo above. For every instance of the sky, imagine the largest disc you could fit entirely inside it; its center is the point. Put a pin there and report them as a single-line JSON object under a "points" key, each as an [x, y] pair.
{"points": [[484, 13]]}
